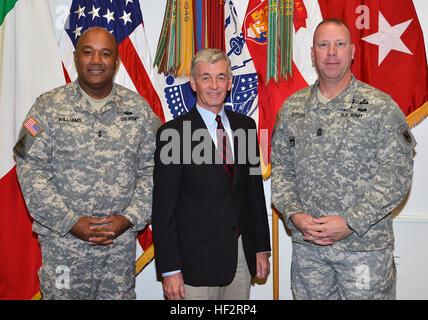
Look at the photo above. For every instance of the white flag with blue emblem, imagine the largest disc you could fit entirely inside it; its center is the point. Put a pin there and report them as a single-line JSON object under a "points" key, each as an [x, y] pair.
{"points": [[175, 93]]}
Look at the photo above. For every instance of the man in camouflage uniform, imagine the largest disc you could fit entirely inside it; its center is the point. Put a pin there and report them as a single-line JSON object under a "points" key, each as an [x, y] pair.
{"points": [[84, 162], [341, 161]]}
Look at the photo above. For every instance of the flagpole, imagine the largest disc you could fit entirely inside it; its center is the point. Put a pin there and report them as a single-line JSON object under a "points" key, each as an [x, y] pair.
{"points": [[275, 254]]}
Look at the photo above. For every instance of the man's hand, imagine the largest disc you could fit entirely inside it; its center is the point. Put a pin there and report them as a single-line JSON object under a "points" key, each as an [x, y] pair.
{"points": [[331, 229], [323, 231], [100, 231], [310, 229], [263, 265], [113, 226], [173, 286], [82, 230]]}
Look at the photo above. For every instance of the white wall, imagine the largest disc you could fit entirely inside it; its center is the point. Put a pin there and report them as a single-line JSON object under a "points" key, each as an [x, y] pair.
{"points": [[410, 223]]}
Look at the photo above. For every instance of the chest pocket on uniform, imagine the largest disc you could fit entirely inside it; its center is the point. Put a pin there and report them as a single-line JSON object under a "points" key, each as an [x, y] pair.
{"points": [[357, 138], [322, 134], [70, 139]]}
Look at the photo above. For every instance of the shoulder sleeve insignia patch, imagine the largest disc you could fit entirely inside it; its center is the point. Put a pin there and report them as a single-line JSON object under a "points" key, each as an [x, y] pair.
{"points": [[32, 126]]}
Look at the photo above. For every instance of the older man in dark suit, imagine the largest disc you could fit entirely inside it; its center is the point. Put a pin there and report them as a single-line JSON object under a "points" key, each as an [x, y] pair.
{"points": [[210, 227]]}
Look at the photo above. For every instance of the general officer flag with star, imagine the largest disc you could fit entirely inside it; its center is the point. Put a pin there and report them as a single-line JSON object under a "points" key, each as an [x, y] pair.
{"points": [[390, 52]]}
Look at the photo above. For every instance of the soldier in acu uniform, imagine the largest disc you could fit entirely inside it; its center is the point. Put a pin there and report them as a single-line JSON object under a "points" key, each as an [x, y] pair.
{"points": [[84, 162], [341, 161]]}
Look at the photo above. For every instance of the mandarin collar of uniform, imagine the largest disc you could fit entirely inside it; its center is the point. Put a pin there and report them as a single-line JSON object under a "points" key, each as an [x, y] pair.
{"points": [[80, 105], [342, 101]]}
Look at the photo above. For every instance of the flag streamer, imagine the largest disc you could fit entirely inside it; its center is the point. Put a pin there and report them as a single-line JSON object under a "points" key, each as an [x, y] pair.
{"points": [[171, 39], [160, 58], [188, 26], [271, 68], [187, 43], [286, 38], [280, 40]]}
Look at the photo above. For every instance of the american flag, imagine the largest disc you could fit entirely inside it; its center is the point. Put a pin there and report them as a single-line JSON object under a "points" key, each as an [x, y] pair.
{"points": [[32, 126], [119, 17]]}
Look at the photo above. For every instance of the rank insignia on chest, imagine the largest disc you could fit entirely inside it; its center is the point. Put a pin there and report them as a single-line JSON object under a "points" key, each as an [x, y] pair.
{"points": [[32, 126]]}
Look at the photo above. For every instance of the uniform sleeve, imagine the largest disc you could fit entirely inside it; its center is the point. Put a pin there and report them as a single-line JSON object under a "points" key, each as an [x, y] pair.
{"points": [[35, 174], [392, 180], [285, 196], [139, 210]]}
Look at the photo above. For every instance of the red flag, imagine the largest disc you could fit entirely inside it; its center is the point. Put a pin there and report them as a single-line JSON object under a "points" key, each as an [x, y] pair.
{"points": [[19, 250], [145, 238], [390, 52], [255, 28]]}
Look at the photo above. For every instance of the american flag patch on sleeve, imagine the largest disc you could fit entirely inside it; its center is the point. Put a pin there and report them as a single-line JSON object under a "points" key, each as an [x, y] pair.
{"points": [[32, 126]]}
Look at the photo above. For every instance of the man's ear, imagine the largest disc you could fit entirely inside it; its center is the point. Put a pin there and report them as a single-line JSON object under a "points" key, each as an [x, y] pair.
{"points": [[192, 83], [313, 56], [118, 62], [229, 86]]}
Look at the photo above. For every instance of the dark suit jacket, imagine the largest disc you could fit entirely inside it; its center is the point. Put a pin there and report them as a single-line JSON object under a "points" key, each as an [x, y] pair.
{"points": [[195, 211]]}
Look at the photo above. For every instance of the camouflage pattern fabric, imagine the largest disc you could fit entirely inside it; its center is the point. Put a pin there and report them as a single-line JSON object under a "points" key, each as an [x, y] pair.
{"points": [[77, 161], [351, 158], [324, 273], [74, 270]]}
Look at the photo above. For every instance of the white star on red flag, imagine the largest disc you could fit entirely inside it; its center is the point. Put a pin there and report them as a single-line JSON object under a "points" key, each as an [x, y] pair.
{"points": [[388, 37]]}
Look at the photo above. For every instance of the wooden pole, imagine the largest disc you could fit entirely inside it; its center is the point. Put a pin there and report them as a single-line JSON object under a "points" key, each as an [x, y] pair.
{"points": [[275, 254]]}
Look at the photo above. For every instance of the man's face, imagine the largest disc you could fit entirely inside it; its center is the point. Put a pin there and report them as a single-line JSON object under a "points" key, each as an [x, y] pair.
{"points": [[332, 52], [96, 61], [211, 84]]}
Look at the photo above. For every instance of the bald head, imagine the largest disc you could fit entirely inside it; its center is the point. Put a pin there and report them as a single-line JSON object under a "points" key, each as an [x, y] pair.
{"points": [[96, 30]]}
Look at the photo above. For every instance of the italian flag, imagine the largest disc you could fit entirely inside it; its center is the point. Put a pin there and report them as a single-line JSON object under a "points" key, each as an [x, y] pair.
{"points": [[29, 66]]}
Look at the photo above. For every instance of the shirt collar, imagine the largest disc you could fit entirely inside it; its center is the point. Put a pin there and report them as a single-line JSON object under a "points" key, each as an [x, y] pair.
{"points": [[209, 116], [342, 101]]}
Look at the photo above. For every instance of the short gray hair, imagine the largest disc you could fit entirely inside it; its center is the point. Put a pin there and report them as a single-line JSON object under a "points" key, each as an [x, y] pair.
{"points": [[209, 55]]}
